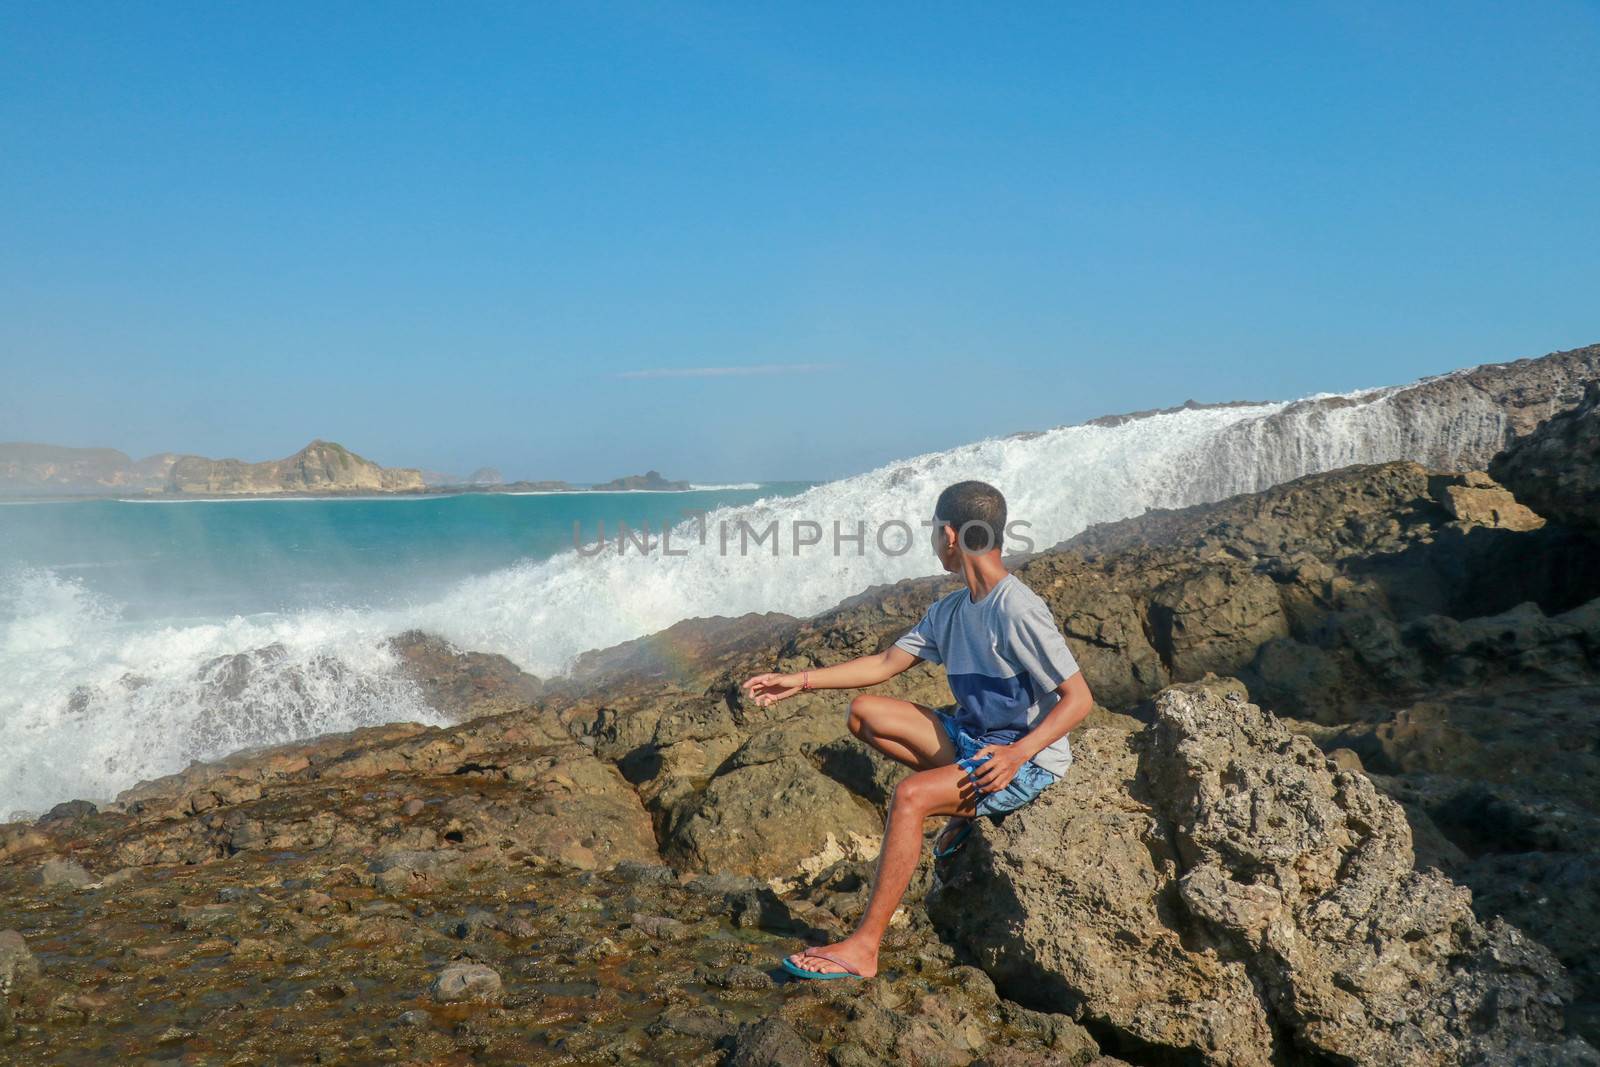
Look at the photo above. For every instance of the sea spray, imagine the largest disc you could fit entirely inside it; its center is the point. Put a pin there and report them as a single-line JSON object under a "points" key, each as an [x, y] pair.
{"points": [[89, 705]]}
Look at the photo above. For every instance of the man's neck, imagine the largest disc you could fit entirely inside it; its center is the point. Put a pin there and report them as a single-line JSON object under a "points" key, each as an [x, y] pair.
{"points": [[982, 573]]}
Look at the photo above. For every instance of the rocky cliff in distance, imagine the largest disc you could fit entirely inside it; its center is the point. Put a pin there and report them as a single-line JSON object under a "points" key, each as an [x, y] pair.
{"points": [[320, 467], [647, 480], [38, 468]]}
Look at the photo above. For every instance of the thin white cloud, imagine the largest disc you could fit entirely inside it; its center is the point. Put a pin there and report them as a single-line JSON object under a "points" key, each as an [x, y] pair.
{"points": [[725, 372]]}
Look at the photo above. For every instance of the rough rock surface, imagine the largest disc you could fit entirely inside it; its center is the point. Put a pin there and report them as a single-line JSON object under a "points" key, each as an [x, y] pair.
{"points": [[1214, 885], [1480, 500], [1555, 469], [465, 980]]}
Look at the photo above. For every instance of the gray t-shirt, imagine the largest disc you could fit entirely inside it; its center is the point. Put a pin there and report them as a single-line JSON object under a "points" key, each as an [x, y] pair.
{"points": [[1004, 656]]}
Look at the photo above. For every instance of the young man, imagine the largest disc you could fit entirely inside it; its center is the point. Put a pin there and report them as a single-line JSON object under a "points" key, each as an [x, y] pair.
{"points": [[1018, 692]]}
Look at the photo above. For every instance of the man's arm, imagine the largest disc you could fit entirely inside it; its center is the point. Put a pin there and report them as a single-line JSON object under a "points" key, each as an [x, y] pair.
{"points": [[1070, 710], [857, 673], [1004, 761]]}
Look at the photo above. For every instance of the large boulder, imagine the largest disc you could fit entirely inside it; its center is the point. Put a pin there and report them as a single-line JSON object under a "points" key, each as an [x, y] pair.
{"points": [[1214, 888], [774, 819], [1215, 619], [462, 685], [1476, 499], [1555, 470]]}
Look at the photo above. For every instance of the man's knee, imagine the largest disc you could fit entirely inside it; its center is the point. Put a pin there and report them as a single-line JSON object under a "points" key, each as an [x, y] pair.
{"points": [[860, 711], [917, 794]]}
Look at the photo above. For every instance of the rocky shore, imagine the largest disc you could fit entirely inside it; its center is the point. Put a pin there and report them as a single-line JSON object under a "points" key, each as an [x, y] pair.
{"points": [[1339, 803]]}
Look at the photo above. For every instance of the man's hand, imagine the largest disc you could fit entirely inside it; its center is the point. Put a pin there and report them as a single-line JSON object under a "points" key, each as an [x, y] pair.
{"points": [[767, 689], [1002, 765]]}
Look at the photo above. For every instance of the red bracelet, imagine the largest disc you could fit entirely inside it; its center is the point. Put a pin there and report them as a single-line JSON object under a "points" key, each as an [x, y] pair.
{"points": [[805, 682]]}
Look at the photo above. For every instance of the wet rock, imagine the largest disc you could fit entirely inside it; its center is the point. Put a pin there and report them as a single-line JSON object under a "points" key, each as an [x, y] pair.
{"points": [[698, 1021], [722, 884], [941, 1034], [474, 924], [465, 980], [515, 926], [118, 877], [59, 872], [1068, 1042], [204, 916], [69, 811], [645, 873], [16, 962], [313, 900], [660, 927], [739, 976], [771, 1043], [683, 652], [758, 909]]}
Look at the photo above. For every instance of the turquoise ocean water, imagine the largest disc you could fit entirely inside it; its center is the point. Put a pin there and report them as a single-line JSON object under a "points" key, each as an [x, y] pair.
{"points": [[182, 561]]}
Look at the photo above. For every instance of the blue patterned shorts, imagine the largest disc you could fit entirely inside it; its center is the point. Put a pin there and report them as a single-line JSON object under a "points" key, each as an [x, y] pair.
{"points": [[1030, 781]]}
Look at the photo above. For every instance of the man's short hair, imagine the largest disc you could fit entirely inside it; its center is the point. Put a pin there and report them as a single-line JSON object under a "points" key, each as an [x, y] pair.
{"points": [[977, 511]]}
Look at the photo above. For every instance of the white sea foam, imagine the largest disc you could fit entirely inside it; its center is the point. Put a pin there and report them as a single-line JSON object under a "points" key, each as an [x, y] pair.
{"points": [[90, 704]]}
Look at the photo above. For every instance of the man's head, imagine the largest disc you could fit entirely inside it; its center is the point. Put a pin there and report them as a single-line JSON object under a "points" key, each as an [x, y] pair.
{"points": [[969, 517]]}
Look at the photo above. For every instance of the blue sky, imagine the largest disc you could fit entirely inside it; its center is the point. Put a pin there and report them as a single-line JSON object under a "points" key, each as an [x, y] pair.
{"points": [[751, 240]]}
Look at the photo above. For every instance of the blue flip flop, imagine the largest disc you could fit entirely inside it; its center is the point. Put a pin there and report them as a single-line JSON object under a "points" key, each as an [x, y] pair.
{"points": [[800, 972], [956, 842]]}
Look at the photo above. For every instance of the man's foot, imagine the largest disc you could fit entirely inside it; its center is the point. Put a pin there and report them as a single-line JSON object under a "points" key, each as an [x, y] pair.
{"points": [[952, 836], [860, 960]]}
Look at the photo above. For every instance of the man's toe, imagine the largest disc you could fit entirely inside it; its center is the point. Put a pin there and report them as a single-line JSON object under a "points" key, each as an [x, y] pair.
{"points": [[821, 964]]}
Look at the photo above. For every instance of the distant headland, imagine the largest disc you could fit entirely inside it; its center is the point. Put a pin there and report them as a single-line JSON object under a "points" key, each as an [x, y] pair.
{"points": [[321, 468]]}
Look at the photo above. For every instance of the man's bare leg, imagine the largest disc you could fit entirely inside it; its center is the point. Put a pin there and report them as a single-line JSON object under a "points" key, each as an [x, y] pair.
{"points": [[902, 730], [937, 791], [909, 733]]}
